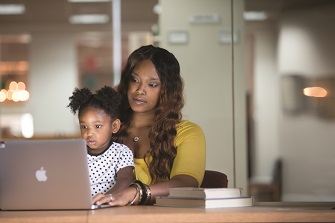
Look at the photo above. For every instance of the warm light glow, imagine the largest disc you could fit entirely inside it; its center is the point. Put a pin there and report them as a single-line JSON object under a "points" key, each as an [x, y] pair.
{"points": [[16, 92], [24, 95], [13, 86], [318, 92], [10, 95], [17, 67], [15, 96], [3, 96], [22, 66], [21, 86]]}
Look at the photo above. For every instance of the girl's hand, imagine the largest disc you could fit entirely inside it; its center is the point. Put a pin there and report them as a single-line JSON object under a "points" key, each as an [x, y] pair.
{"points": [[121, 199]]}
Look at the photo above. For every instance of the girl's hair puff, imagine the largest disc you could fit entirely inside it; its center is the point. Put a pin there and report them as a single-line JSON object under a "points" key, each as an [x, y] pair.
{"points": [[105, 99]]}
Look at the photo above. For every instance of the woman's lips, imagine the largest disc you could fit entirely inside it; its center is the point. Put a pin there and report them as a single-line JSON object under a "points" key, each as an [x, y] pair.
{"points": [[139, 101]]}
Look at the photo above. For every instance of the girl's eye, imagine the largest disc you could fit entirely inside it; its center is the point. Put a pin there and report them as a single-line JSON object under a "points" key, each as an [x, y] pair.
{"points": [[133, 79], [83, 127], [98, 126]]}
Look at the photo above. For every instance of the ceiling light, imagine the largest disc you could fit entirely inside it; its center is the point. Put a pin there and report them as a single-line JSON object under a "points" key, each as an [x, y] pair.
{"points": [[11, 9], [157, 9], [81, 1], [255, 16], [89, 19]]}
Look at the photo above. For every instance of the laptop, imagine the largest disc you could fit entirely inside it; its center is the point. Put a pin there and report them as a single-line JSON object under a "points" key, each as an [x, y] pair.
{"points": [[44, 175]]}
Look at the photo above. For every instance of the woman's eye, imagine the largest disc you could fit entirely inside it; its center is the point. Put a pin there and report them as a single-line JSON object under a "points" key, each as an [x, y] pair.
{"points": [[153, 85]]}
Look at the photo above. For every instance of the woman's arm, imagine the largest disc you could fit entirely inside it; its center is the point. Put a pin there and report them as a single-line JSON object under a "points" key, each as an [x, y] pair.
{"points": [[158, 189], [188, 167], [162, 188], [125, 177]]}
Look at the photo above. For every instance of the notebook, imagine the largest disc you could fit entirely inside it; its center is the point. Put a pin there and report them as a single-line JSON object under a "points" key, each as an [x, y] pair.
{"points": [[44, 175]]}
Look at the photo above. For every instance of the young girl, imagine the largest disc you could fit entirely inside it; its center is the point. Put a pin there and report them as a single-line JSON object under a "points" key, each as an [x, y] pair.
{"points": [[110, 163], [168, 151]]}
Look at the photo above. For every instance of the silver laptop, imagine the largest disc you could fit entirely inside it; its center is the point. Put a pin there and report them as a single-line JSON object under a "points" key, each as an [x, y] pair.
{"points": [[44, 175]]}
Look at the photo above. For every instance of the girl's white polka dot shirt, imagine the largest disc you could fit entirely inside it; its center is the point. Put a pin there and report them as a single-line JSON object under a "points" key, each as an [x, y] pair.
{"points": [[103, 167]]}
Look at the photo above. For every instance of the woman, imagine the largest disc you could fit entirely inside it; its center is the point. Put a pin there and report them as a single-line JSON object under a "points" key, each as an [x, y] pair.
{"points": [[168, 151]]}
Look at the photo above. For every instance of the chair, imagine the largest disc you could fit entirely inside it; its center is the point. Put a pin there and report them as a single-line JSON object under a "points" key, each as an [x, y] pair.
{"points": [[214, 179], [273, 188]]}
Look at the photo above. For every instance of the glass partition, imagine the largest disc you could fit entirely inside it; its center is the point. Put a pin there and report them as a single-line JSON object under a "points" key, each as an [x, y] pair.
{"points": [[290, 54]]}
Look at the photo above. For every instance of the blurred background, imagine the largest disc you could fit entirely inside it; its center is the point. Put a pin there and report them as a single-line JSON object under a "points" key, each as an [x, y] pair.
{"points": [[259, 78]]}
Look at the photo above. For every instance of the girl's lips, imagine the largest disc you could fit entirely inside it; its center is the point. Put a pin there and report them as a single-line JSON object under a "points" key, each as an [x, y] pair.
{"points": [[90, 142]]}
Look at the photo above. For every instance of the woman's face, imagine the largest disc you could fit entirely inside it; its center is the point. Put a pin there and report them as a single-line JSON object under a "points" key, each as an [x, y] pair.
{"points": [[144, 87]]}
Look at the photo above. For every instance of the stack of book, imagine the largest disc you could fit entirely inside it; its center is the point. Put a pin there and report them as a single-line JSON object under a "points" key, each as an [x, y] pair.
{"points": [[204, 198]]}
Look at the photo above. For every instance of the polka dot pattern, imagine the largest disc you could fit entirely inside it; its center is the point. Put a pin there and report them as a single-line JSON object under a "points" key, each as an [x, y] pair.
{"points": [[103, 168]]}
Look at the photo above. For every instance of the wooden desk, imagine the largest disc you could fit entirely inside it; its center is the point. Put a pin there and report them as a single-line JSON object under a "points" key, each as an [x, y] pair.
{"points": [[261, 212]]}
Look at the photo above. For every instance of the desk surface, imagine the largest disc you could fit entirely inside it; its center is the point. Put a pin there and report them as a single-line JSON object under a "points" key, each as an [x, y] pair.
{"points": [[261, 212]]}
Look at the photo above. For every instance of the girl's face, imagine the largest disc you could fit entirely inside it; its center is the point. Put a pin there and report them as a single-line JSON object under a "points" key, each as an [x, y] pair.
{"points": [[144, 88], [96, 128]]}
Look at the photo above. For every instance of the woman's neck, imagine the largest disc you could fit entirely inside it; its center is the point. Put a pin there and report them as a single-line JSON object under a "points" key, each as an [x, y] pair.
{"points": [[140, 120]]}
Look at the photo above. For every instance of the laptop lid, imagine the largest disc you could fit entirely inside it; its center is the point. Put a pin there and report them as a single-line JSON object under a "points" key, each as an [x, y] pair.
{"points": [[44, 175]]}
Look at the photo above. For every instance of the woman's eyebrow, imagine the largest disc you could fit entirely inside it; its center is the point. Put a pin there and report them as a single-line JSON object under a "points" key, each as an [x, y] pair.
{"points": [[151, 78]]}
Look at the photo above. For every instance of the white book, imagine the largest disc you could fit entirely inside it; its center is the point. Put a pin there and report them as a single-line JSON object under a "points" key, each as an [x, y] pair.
{"points": [[194, 192], [204, 203]]}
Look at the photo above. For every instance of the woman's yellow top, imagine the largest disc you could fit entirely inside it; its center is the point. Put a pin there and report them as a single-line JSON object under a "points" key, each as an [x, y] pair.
{"points": [[191, 154]]}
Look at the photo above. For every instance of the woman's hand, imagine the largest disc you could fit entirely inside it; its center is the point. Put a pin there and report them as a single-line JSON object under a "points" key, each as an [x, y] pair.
{"points": [[158, 189], [121, 199]]}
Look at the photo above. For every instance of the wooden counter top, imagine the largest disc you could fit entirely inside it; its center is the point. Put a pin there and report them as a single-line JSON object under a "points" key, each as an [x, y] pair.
{"points": [[261, 212]]}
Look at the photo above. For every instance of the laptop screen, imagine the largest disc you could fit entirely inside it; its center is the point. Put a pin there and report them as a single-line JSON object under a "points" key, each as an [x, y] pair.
{"points": [[44, 175]]}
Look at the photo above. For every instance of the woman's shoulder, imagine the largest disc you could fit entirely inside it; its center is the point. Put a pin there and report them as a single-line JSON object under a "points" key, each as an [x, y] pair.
{"points": [[189, 133], [186, 126]]}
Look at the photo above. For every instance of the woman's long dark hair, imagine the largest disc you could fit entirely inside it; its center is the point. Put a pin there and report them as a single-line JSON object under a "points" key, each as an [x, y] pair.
{"points": [[168, 112]]}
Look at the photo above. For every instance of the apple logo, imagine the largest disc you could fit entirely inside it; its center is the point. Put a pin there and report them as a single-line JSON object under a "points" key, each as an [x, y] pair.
{"points": [[41, 175]]}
